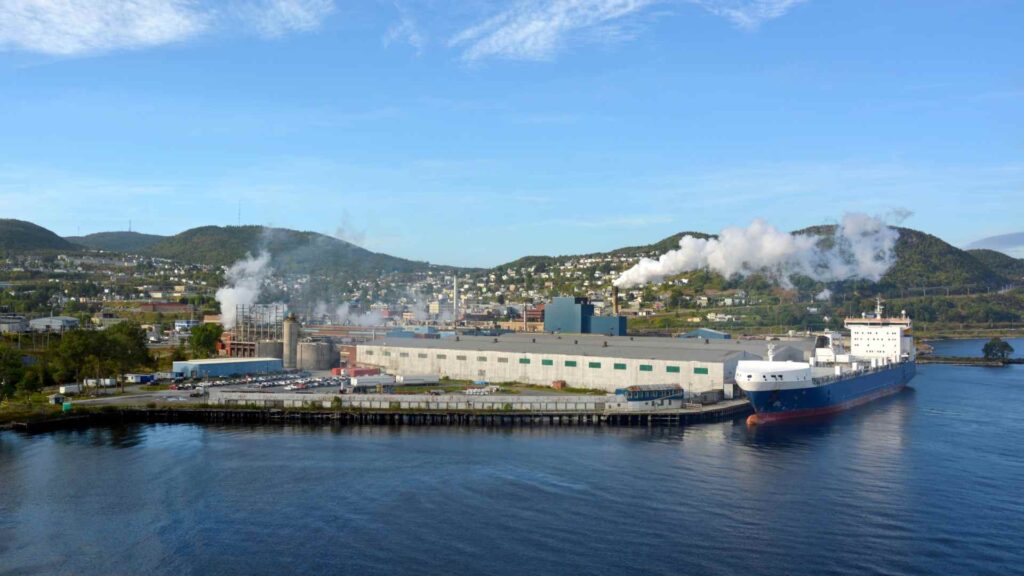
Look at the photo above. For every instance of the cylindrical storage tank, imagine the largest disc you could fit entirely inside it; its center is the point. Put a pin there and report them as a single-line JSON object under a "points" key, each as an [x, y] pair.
{"points": [[291, 342], [315, 356], [270, 349]]}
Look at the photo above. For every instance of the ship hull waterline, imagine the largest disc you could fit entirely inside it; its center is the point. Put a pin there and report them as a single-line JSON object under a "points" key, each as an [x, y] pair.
{"points": [[797, 403]]}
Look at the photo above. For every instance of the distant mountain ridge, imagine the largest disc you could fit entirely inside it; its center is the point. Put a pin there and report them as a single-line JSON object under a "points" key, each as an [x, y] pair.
{"points": [[129, 242], [922, 260], [654, 249], [1004, 243], [291, 250], [17, 236]]}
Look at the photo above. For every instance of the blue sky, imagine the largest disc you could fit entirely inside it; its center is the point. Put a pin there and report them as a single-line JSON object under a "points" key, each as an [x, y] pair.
{"points": [[473, 132]]}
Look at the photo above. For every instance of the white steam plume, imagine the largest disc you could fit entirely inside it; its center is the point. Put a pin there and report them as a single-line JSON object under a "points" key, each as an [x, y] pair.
{"points": [[344, 315], [244, 280], [861, 247]]}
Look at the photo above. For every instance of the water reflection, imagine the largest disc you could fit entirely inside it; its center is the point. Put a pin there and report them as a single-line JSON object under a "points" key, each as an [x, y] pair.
{"points": [[116, 436], [864, 491], [872, 416]]}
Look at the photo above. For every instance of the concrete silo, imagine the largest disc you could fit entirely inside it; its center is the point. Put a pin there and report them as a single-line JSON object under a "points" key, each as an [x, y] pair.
{"points": [[315, 356], [270, 349], [291, 342]]}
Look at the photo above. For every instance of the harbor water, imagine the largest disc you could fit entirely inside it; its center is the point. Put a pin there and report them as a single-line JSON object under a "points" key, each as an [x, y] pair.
{"points": [[924, 482], [972, 347]]}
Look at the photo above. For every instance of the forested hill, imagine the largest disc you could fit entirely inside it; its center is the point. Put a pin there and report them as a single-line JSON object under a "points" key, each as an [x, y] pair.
{"points": [[19, 236], [924, 260], [127, 242], [650, 250], [1000, 263], [291, 251]]}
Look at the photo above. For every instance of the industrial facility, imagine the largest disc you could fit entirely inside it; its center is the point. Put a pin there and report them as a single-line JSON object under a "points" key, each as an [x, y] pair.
{"points": [[262, 332], [591, 361], [223, 367], [53, 324], [575, 315]]}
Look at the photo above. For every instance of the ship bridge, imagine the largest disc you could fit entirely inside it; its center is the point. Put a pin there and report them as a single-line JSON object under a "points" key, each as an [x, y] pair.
{"points": [[879, 338]]}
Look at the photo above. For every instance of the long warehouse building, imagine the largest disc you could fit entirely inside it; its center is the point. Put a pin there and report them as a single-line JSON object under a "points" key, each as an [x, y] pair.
{"points": [[581, 360], [218, 367]]}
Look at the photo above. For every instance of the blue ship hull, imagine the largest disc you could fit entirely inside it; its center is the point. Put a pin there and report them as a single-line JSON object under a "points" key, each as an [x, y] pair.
{"points": [[832, 397]]}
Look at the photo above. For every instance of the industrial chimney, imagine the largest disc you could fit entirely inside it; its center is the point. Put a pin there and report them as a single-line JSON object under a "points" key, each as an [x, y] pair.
{"points": [[455, 300], [291, 342], [615, 300]]}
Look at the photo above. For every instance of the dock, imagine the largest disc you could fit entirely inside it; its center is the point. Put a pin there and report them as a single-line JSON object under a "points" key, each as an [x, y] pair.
{"points": [[391, 417]]}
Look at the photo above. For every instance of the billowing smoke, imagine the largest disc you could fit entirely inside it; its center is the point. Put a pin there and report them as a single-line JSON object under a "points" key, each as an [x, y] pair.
{"points": [[244, 281], [823, 295], [344, 315], [861, 247]]}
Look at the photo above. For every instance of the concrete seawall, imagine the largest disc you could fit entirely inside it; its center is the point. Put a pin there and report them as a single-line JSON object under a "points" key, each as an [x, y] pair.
{"points": [[476, 417]]}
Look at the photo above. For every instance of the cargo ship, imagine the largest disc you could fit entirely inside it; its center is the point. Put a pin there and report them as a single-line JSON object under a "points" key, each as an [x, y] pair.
{"points": [[880, 362]]}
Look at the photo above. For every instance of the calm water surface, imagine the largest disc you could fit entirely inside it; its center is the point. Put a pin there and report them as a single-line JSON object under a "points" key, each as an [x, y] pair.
{"points": [[972, 347], [930, 481]]}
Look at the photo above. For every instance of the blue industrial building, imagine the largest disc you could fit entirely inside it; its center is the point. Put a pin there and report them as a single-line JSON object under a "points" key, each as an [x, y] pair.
{"points": [[219, 367], [575, 315], [608, 325], [707, 334]]}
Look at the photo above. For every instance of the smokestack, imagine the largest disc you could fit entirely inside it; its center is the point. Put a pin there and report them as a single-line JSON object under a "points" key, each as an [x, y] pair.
{"points": [[615, 300], [455, 301], [291, 342]]}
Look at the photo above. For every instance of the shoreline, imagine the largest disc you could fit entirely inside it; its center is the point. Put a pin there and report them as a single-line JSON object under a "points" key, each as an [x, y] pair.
{"points": [[967, 361]]}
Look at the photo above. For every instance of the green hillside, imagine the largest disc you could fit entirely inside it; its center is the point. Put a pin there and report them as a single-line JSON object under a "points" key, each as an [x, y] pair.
{"points": [[127, 242], [659, 247], [291, 251], [19, 236], [996, 261], [655, 249], [923, 260]]}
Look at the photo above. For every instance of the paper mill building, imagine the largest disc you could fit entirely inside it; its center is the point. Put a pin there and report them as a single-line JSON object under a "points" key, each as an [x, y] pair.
{"points": [[581, 360]]}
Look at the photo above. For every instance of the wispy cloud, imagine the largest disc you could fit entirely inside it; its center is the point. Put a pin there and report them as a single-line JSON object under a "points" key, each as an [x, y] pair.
{"points": [[77, 26], [748, 13], [274, 18], [405, 30], [535, 29], [73, 27]]}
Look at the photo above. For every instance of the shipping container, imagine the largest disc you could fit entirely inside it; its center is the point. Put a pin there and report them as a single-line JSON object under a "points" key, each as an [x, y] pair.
{"points": [[361, 371], [368, 380]]}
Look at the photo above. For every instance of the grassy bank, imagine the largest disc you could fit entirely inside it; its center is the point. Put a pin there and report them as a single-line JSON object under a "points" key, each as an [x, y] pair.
{"points": [[27, 408]]}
